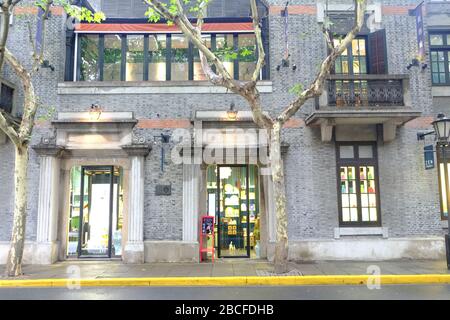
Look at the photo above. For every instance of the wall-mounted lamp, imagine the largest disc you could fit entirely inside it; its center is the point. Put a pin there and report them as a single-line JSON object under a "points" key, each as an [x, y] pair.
{"points": [[417, 63], [232, 114], [414, 63], [46, 64], [95, 112]]}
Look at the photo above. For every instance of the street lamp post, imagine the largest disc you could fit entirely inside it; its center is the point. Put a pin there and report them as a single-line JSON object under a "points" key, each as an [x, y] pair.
{"points": [[442, 130]]}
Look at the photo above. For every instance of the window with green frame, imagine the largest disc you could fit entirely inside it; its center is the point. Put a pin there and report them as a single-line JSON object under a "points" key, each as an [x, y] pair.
{"points": [[439, 56]]}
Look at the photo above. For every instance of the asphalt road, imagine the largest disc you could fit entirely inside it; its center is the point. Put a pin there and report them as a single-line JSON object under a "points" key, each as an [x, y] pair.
{"points": [[407, 292]]}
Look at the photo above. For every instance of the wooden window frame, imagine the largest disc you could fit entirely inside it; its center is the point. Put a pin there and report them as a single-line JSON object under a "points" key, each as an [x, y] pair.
{"points": [[350, 57], [358, 162]]}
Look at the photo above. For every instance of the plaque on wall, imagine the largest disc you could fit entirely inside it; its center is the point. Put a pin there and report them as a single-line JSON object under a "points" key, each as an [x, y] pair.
{"points": [[163, 190]]}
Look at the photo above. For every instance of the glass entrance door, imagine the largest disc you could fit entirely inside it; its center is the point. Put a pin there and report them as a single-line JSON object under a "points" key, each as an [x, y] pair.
{"points": [[233, 198], [233, 219], [96, 212]]}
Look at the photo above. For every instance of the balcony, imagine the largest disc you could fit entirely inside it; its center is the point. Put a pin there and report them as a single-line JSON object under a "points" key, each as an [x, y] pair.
{"points": [[363, 101]]}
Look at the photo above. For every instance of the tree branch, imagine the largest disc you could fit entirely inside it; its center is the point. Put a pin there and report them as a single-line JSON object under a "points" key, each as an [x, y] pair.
{"points": [[7, 128], [259, 42], [39, 56], [6, 12], [316, 87]]}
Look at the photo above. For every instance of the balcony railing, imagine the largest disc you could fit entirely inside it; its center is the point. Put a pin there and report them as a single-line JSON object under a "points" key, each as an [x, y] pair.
{"points": [[359, 91]]}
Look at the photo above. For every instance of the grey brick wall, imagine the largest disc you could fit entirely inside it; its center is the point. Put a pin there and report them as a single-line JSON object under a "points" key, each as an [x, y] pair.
{"points": [[409, 194]]}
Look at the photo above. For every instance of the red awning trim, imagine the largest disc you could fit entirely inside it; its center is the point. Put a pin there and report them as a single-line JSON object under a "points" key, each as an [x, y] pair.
{"points": [[227, 27]]}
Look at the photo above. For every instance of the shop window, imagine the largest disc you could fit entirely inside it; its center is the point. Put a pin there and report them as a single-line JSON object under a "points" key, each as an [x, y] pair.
{"points": [[444, 168], [135, 58], [89, 58], [179, 58], [157, 51], [247, 56], [161, 57], [199, 75], [6, 98], [112, 56], [224, 51], [358, 189], [439, 56]]}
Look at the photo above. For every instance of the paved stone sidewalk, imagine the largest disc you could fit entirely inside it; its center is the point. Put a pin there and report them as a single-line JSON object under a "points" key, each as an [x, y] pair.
{"points": [[117, 269]]}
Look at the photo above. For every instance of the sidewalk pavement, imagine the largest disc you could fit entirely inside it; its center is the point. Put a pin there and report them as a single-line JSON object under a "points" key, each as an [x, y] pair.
{"points": [[225, 268]]}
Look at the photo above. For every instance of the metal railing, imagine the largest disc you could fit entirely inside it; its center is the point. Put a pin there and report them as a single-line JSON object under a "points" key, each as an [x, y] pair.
{"points": [[365, 91]]}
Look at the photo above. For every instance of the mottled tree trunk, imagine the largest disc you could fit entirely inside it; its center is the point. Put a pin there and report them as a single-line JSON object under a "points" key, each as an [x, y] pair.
{"points": [[14, 262], [281, 247]]}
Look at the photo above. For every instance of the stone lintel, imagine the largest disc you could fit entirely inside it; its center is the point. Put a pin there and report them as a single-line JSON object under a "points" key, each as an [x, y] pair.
{"points": [[49, 150], [137, 150]]}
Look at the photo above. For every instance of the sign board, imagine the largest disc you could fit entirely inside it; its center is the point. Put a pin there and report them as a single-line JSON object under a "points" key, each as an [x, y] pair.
{"points": [[207, 225], [39, 35], [420, 31], [429, 157]]}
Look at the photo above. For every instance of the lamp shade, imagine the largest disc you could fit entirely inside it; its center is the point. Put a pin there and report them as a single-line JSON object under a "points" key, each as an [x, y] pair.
{"points": [[442, 129]]}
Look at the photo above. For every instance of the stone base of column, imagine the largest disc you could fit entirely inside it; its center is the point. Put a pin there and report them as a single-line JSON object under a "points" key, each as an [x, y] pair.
{"points": [[45, 252], [133, 253]]}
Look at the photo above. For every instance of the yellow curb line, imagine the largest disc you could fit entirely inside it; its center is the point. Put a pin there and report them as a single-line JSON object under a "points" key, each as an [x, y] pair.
{"points": [[232, 281]]}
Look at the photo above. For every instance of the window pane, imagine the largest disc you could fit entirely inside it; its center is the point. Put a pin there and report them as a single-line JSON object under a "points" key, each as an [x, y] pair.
{"points": [[179, 58], [247, 56], [198, 70], [436, 40], [436, 78], [365, 152], [365, 215], [346, 215], [157, 57], [373, 215], [338, 68], [135, 58], [6, 98], [112, 58], [225, 51], [89, 58], [354, 215], [346, 152]]}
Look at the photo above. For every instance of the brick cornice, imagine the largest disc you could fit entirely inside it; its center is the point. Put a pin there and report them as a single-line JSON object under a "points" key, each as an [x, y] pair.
{"points": [[396, 10], [33, 10], [163, 123], [294, 10]]}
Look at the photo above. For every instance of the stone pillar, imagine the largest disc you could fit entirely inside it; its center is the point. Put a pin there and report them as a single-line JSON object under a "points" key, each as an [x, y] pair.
{"points": [[134, 247], [46, 246], [191, 194]]}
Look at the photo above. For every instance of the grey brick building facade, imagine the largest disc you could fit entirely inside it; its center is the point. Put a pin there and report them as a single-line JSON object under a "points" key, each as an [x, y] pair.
{"points": [[409, 222]]}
